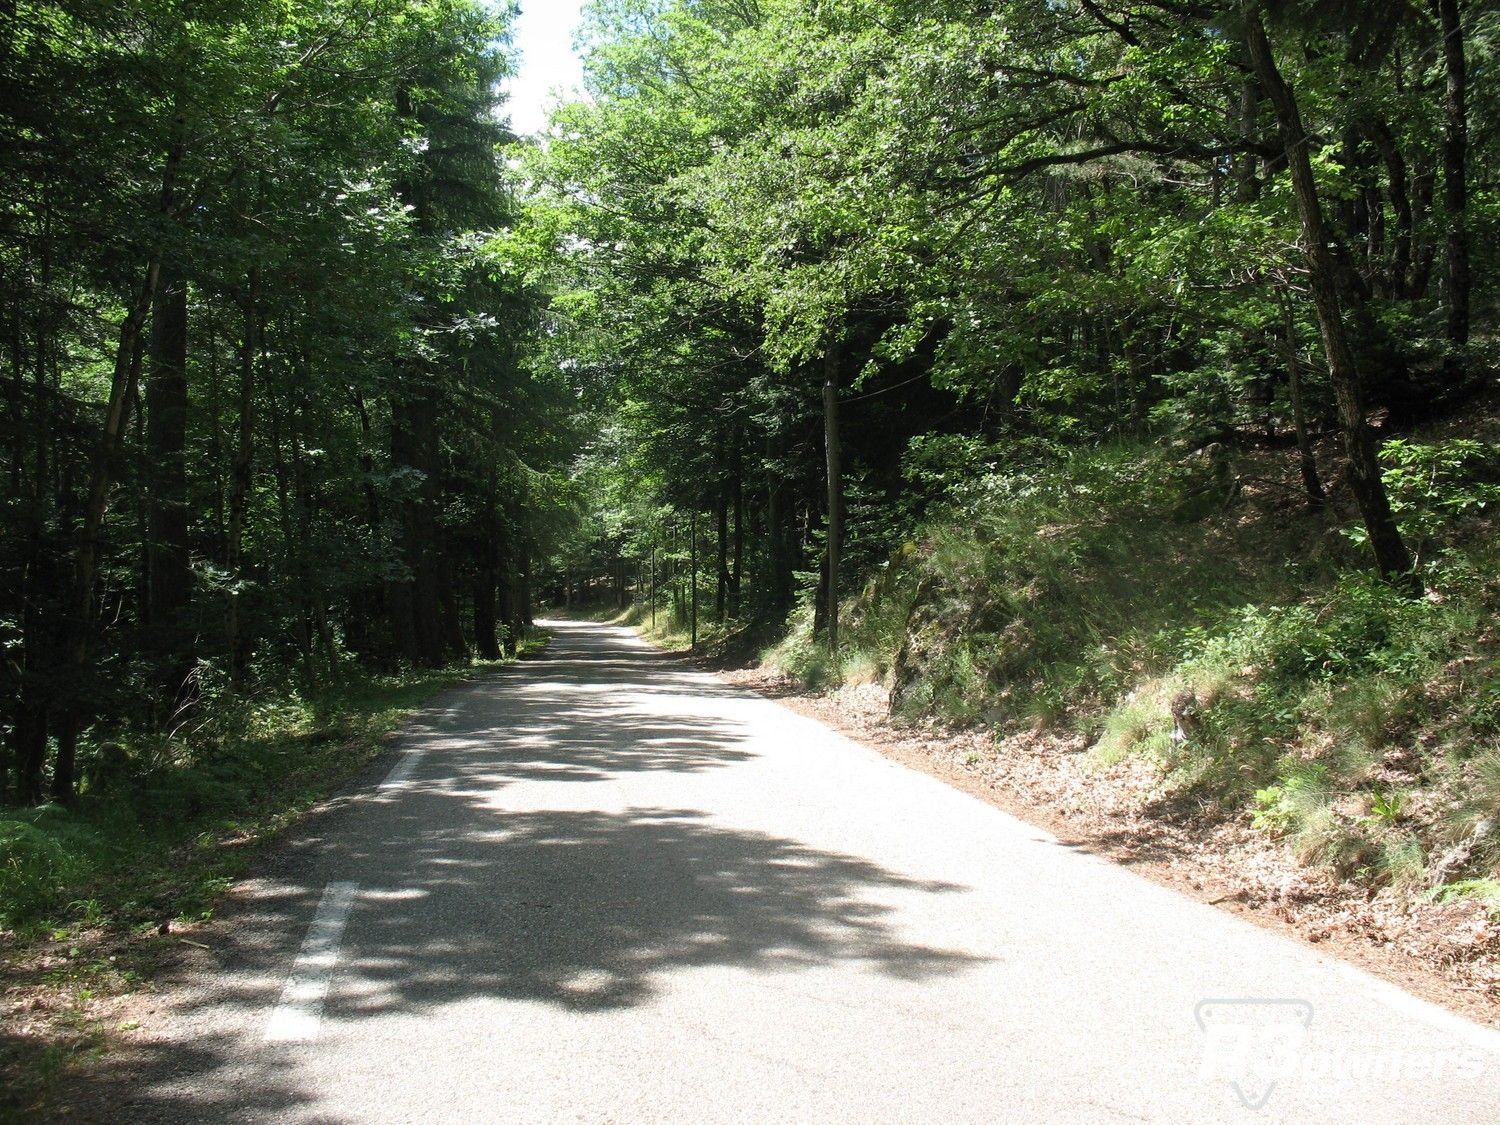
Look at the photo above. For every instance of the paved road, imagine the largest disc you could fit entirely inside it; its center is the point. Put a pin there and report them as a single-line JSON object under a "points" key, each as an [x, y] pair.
{"points": [[604, 887]]}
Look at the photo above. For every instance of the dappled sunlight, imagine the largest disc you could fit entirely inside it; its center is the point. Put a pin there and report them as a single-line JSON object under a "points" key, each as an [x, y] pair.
{"points": [[503, 867], [661, 890]]}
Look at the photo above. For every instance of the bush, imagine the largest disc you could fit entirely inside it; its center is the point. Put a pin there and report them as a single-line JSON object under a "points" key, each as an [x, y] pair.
{"points": [[1113, 589], [36, 864]]}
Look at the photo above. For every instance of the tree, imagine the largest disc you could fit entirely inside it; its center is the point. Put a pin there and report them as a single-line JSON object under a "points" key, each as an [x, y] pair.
{"points": [[1391, 555], [1075, 219], [224, 211]]}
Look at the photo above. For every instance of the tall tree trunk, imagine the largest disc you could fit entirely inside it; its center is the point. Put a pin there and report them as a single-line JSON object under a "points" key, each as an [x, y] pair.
{"points": [[25, 676], [1398, 282], [455, 646], [486, 614], [168, 563], [736, 581], [1307, 459], [835, 489], [127, 370], [236, 638], [1424, 250], [29, 740], [779, 516], [721, 585], [1455, 186], [1247, 165], [367, 605], [1391, 555], [520, 585], [693, 573], [415, 602], [423, 546], [487, 573], [312, 619], [279, 416], [511, 607]]}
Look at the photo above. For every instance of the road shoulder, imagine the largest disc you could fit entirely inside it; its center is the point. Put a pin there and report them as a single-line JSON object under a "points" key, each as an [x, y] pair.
{"points": [[1443, 954]]}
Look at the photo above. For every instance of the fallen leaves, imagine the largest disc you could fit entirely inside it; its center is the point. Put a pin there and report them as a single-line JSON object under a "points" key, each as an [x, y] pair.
{"points": [[1122, 811]]}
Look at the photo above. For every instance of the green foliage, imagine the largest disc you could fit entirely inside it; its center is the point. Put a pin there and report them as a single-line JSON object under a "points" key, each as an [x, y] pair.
{"points": [[1136, 726], [1486, 891], [1364, 626], [1032, 591], [1401, 864], [1387, 807], [1269, 812], [800, 656], [430, 373], [1298, 803], [1432, 485], [1019, 234], [346, 451], [1332, 710], [1478, 764], [122, 855], [39, 861]]}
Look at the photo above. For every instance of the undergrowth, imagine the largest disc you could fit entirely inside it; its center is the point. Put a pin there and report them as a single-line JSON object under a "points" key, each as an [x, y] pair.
{"points": [[162, 820], [670, 629], [1177, 609]]}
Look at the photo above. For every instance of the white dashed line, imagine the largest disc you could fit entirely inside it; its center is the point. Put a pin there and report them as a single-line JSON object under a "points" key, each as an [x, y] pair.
{"points": [[299, 1015], [400, 772]]}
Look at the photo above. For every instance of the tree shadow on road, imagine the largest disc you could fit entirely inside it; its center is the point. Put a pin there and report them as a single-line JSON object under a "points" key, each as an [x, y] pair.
{"points": [[467, 897], [586, 910], [589, 653], [562, 737]]}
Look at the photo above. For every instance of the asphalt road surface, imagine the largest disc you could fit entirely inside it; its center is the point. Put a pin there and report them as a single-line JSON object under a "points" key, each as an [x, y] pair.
{"points": [[603, 887]]}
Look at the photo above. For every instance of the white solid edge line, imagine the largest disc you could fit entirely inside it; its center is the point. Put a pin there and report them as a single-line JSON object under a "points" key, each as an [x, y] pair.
{"points": [[1440, 1019], [401, 772], [298, 1016]]}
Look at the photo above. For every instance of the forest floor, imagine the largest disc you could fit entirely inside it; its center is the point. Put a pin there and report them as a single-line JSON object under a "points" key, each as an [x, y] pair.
{"points": [[1444, 952]]}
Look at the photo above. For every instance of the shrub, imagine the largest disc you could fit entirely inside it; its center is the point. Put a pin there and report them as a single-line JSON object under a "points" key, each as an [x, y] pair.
{"points": [[36, 866]]}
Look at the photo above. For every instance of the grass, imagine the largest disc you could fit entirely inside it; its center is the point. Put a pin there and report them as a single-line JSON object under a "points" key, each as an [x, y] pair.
{"points": [[158, 838], [162, 829]]}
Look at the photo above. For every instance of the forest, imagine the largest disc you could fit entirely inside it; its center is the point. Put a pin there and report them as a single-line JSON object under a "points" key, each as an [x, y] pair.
{"points": [[1127, 368], [1109, 376]]}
